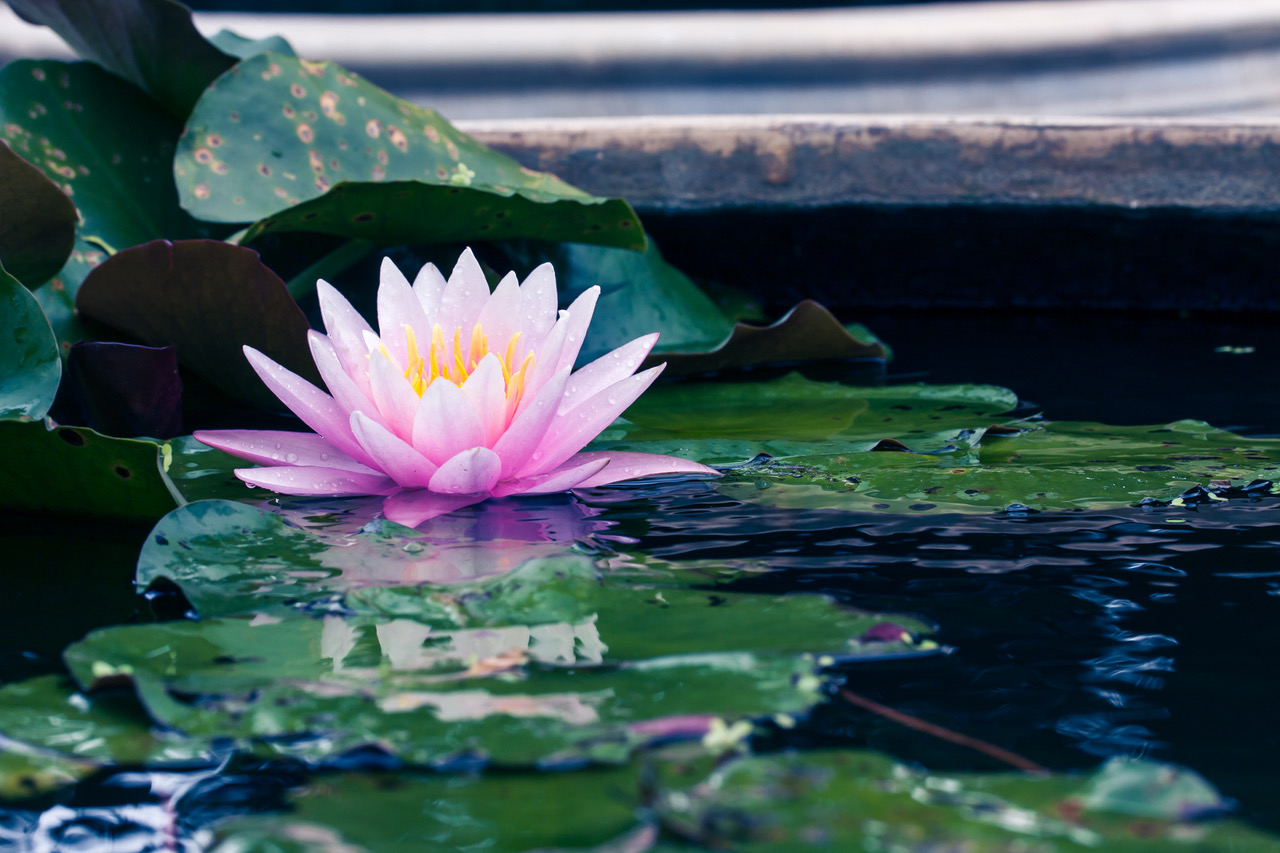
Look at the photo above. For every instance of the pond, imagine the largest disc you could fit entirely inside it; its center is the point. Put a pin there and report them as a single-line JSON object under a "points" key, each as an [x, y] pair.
{"points": [[1071, 636]]}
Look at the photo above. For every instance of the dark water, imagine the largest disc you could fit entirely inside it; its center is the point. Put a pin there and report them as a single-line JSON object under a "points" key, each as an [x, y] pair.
{"points": [[1076, 636]]}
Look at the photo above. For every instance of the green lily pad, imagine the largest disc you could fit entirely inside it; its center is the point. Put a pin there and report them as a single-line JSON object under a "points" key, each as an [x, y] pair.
{"points": [[512, 813], [109, 148], [74, 470], [793, 442], [30, 368], [39, 228], [857, 800], [309, 146], [209, 299], [50, 722], [151, 43], [532, 695]]}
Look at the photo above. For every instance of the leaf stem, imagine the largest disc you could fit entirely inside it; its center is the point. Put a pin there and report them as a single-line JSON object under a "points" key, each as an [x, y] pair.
{"points": [[304, 283]]}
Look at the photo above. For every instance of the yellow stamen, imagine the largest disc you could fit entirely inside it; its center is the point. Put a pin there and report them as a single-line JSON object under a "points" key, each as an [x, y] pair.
{"points": [[479, 346], [457, 357]]}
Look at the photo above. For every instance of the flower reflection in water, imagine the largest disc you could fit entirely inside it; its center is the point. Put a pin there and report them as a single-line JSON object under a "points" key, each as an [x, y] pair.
{"points": [[485, 539]]}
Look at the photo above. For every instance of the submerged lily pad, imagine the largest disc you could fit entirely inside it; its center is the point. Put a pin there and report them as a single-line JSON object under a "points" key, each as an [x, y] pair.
{"points": [[856, 800], [209, 299], [793, 442], [277, 132], [39, 228], [502, 814]]}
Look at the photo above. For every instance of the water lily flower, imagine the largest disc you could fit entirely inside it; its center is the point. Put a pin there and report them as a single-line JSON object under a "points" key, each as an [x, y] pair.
{"points": [[462, 396]]}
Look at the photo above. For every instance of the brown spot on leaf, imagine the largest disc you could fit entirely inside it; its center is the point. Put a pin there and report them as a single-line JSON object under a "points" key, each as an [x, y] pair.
{"points": [[379, 173], [202, 191], [297, 90], [281, 192], [123, 473], [37, 73], [288, 111], [397, 137], [317, 162], [367, 216], [219, 167], [431, 133], [305, 133], [264, 170], [381, 158], [451, 148], [373, 127]]}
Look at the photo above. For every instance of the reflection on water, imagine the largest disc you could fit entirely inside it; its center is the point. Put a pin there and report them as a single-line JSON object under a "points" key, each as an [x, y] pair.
{"points": [[1079, 636]]}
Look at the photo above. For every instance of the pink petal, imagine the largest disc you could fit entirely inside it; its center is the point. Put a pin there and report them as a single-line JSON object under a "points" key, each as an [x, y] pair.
{"points": [[473, 471], [414, 506], [500, 317], [316, 408], [570, 431], [289, 480], [567, 476], [464, 296], [529, 427], [446, 423], [398, 306], [346, 330], [607, 369], [277, 447], [395, 398], [538, 302], [576, 323], [487, 391], [428, 287], [401, 462], [545, 359], [346, 393], [627, 465]]}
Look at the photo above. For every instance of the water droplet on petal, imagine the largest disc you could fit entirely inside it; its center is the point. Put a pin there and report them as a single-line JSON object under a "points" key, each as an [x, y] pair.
{"points": [[291, 458]]}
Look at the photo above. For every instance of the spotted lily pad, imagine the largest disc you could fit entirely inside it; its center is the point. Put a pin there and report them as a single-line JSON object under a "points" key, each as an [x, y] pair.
{"points": [[109, 148], [151, 43], [294, 145], [39, 228], [209, 299]]}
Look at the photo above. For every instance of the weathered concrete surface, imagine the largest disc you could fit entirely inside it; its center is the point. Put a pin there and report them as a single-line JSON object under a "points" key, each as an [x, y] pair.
{"points": [[715, 162]]}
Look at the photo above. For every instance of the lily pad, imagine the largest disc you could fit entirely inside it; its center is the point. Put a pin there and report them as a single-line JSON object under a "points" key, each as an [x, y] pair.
{"points": [[76, 471], [275, 138], [51, 722], [209, 299], [108, 147], [793, 442], [862, 800], [808, 332], [122, 389], [30, 368], [512, 813], [39, 228], [312, 688], [151, 43]]}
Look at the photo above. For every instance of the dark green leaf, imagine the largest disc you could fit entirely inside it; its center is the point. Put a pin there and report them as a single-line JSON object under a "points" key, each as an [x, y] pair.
{"points": [[151, 43], [240, 47], [39, 225], [77, 471], [29, 365], [209, 299], [277, 132]]}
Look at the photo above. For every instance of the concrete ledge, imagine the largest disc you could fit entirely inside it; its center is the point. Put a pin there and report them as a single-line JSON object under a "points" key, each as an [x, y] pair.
{"points": [[701, 163]]}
